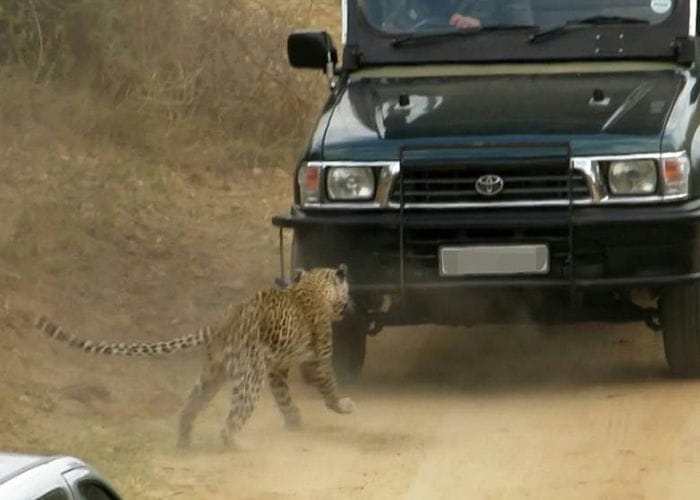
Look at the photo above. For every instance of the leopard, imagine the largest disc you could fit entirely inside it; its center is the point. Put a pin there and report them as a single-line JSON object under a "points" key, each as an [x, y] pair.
{"points": [[262, 336]]}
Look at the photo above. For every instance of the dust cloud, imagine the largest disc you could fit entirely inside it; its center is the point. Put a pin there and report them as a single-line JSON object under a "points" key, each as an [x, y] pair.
{"points": [[472, 412], [490, 412]]}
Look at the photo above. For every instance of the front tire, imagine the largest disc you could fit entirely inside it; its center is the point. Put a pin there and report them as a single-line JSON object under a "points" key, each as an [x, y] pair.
{"points": [[679, 309], [349, 348]]}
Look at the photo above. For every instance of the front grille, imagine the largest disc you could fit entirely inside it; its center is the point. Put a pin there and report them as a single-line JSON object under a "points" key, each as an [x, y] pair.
{"points": [[544, 180]]}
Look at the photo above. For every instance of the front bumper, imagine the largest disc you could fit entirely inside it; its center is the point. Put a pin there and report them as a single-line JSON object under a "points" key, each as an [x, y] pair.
{"points": [[605, 247]]}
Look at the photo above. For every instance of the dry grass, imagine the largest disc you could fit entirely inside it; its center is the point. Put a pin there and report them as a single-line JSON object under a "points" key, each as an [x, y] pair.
{"points": [[135, 202], [163, 77], [89, 178]]}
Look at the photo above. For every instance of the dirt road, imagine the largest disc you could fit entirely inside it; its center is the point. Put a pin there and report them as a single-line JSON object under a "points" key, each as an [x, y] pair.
{"points": [[583, 412], [569, 412]]}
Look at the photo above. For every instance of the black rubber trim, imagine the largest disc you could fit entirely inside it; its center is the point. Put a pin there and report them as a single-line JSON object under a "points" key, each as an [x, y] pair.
{"points": [[580, 216]]}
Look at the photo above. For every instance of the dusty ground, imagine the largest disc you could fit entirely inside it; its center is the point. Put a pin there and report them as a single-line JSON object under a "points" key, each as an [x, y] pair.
{"points": [[575, 412]]}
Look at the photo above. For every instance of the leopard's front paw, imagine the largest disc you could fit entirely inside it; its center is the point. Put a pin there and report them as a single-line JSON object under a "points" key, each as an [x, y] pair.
{"points": [[343, 405], [231, 442]]}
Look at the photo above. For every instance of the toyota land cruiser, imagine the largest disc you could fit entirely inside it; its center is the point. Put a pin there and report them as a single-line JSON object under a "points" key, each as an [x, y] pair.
{"points": [[542, 157]]}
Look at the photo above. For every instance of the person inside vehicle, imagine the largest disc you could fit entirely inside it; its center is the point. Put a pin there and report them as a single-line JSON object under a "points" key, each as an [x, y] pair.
{"points": [[461, 14], [411, 15], [473, 14]]}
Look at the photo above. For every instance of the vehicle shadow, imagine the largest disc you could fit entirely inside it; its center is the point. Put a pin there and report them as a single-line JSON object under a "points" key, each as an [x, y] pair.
{"points": [[514, 358]]}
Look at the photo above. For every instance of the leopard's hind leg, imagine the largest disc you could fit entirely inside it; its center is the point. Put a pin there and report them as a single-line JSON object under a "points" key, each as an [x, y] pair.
{"points": [[246, 371], [202, 393], [278, 380]]}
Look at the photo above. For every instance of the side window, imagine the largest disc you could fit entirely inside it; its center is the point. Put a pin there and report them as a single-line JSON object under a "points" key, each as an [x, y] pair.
{"points": [[92, 490], [57, 494]]}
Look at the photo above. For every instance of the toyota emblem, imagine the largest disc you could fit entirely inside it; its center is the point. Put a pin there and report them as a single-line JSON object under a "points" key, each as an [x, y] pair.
{"points": [[489, 185]]}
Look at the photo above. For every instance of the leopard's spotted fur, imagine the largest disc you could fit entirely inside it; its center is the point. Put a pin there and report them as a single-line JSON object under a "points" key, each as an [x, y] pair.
{"points": [[266, 333]]}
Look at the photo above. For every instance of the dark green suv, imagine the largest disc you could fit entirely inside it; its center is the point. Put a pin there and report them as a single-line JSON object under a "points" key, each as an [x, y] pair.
{"points": [[495, 161]]}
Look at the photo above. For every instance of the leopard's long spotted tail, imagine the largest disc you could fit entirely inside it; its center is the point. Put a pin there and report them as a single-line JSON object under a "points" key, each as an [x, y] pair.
{"points": [[202, 336]]}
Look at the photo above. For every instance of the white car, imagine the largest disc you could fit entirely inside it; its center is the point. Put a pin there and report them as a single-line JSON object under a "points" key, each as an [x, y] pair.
{"points": [[32, 477]]}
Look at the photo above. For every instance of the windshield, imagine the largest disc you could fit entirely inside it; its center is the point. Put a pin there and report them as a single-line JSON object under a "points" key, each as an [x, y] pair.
{"points": [[415, 16]]}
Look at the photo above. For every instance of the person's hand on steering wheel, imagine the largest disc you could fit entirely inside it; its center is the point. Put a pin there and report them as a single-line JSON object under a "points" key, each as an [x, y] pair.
{"points": [[464, 22]]}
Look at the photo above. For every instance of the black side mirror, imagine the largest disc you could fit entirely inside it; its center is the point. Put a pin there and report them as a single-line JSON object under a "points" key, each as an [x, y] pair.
{"points": [[311, 49]]}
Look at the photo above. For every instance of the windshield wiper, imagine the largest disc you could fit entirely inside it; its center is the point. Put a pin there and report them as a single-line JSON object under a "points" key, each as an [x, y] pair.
{"points": [[585, 22], [433, 36]]}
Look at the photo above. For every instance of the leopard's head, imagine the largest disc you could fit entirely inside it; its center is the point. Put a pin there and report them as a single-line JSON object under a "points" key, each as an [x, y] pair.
{"points": [[331, 283]]}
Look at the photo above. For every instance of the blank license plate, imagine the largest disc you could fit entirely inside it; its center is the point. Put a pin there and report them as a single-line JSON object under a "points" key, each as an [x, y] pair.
{"points": [[494, 260]]}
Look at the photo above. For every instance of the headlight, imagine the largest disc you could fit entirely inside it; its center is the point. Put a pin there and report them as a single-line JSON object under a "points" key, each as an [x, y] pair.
{"points": [[350, 183], [632, 177]]}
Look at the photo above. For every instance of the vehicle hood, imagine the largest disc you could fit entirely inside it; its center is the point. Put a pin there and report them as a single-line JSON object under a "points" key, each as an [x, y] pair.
{"points": [[595, 112], [12, 464]]}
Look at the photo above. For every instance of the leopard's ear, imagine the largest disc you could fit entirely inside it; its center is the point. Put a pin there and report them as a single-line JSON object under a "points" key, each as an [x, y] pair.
{"points": [[298, 273], [342, 272]]}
